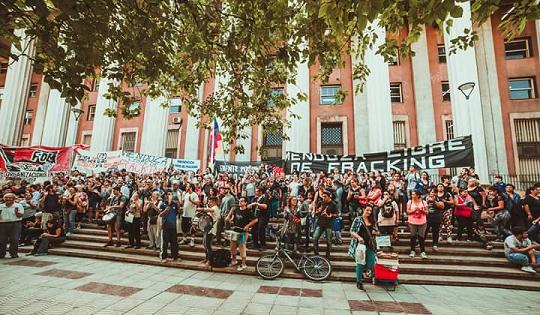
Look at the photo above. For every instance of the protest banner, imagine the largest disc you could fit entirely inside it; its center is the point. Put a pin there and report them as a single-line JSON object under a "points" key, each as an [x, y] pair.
{"points": [[88, 162], [237, 169], [457, 152], [185, 165], [142, 163], [33, 162]]}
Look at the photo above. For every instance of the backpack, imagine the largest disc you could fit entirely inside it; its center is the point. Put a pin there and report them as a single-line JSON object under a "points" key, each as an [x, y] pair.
{"points": [[221, 258], [387, 210]]}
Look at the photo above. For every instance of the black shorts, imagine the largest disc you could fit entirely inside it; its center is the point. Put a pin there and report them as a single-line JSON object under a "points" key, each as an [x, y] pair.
{"points": [[186, 225]]}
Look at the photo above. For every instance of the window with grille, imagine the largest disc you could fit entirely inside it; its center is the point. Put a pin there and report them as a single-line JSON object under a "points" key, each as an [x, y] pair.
{"points": [[449, 128], [91, 113], [171, 146], [272, 147], [522, 88], [517, 48], [127, 141], [400, 134], [445, 87], [441, 53], [275, 93], [332, 138], [175, 106], [3, 67], [527, 139], [329, 94], [33, 90], [396, 94], [28, 117], [87, 139]]}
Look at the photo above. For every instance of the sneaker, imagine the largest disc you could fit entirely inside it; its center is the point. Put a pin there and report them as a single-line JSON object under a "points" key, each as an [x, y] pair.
{"points": [[242, 267], [435, 248], [360, 286], [129, 246], [449, 239], [528, 269], [182, 242], [108, 244], [68, 234], [192, 243], [14, 256], [118, 244], [423, 255], [412, 254], [489, 247]]}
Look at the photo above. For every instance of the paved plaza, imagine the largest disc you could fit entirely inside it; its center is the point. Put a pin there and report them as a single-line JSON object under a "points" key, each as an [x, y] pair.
{"points": [[65, 285]]}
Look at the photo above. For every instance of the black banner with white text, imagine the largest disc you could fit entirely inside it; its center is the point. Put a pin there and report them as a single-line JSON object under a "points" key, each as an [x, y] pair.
{"points": [[457, 152]]}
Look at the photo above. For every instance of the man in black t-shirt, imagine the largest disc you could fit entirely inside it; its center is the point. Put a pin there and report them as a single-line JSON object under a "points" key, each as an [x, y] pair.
{"points": [[118, 206], [325, 212], [260, 210]]}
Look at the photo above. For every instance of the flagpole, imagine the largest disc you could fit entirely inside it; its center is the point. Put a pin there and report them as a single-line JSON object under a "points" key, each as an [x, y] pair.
{"points": [[213, 146]]}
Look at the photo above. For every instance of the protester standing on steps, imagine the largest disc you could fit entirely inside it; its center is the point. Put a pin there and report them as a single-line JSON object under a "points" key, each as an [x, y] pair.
{"points": [[227, 205], [417, 209], [169, 214], [326, 211], [242, 220], [444, 196], [260, 209], [11, 214], [362, 230], [463, 213], [190, 202], [208, 235], [434, 216], [151, 209], [134, 228], [117, 206]]}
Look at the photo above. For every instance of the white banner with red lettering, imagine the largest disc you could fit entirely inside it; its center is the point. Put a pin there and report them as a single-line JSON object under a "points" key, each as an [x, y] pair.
{"points": [[143, 164], [88, 162]]}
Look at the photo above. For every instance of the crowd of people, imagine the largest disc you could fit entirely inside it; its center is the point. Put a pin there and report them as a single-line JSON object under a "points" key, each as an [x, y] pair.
{"points": [[238, 210]]}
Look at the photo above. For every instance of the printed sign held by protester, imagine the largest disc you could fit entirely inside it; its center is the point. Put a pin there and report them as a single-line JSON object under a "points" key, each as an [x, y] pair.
{"points": [[186, 165], [88, 162]]}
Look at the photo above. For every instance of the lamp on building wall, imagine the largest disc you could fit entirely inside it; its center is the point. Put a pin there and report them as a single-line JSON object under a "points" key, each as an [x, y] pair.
{"points": [[77, 112], [467, 89]]}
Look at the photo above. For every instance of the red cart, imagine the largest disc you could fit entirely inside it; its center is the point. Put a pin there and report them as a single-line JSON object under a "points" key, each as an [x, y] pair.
{"points": [[386, 273]]}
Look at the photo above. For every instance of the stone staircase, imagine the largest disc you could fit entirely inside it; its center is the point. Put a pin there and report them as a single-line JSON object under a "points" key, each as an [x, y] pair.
{"points": [[457, 263]]}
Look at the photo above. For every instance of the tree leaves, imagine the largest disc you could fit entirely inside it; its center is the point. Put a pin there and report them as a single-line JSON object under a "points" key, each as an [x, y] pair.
{"points": [[175, 46]]}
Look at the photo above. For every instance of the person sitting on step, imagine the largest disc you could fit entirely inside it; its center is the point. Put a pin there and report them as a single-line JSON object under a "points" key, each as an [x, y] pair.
{"points": [[53, 235], [519, 249]]}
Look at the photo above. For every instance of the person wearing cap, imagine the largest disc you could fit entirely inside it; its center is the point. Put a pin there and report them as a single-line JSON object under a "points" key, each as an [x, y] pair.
{"points": [[11, 214]]}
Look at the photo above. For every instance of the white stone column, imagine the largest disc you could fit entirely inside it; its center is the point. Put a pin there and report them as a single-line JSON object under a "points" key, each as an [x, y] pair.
{"points": [[491, 100], [466, 114], [56, 120], [423, 97], [103, 127], [299, 132], [222, 154], [17, 84], [154, 132], [41, 112], [71, 135], [377, 122], [192, 133]]}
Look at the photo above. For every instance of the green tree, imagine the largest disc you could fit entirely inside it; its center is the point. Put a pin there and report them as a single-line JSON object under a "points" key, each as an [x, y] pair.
{"points": [[175, 45]]}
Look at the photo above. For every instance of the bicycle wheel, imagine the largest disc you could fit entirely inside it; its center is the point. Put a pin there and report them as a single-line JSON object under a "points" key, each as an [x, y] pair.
{"points": [[316, 268], [269, 266]]}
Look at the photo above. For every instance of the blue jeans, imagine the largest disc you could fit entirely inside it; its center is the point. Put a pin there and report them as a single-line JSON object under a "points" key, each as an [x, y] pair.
{"points": [[317, 234], [370, 262], [521, 259], [69, 220]]}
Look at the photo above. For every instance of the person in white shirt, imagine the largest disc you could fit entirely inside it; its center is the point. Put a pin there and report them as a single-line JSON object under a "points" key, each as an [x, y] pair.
{"points": [[11, 214], [190, 203]]}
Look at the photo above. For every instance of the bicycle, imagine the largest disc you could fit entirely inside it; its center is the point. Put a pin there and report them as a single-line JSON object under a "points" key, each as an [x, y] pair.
{"points": [[315, 267]]}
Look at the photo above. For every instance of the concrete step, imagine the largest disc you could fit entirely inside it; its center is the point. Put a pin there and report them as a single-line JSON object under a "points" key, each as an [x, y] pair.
{"points": [[338, 252], [530, 283]]}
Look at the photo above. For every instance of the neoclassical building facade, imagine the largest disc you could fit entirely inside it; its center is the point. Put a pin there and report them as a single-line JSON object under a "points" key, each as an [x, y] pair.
{"points": [[410, 101]]}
